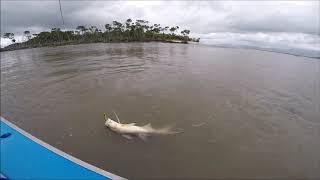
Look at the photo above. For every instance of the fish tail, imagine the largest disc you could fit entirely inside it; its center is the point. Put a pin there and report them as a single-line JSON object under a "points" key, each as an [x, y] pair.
{"points": [[168, 130]]}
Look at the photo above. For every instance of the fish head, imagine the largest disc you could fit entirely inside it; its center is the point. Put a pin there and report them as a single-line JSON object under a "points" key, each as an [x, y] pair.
{"points": [[110, 123]]}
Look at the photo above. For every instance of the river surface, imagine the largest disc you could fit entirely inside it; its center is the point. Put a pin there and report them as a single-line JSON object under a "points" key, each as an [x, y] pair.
{"points": [[244, 113]]}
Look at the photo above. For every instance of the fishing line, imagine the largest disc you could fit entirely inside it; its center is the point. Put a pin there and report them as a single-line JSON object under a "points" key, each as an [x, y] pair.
{"points": [[63, 19], [61, 14]]}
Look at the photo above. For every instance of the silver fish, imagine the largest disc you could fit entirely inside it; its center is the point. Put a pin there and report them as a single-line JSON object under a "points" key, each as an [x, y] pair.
{"points": [[131, 129]]}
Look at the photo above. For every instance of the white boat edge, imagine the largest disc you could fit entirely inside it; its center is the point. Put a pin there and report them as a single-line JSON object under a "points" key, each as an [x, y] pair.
{"points": [[63, 154]]}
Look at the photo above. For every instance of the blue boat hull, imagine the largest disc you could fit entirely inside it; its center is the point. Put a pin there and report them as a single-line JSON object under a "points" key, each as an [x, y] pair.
{"points": [[25, 157]]}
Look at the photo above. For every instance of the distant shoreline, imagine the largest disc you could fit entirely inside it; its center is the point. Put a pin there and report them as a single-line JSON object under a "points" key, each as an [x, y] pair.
{"points": [[19, 46], [162, 41], [128, 31]]}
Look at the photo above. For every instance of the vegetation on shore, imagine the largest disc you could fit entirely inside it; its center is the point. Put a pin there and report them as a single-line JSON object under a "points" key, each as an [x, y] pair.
{"points": [[129, 31]]}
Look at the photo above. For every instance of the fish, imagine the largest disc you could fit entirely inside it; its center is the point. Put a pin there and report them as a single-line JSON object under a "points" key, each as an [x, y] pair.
{"points": [[132, 130]]}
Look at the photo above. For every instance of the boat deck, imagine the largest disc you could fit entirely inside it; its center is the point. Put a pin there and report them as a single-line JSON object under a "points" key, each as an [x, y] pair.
{"points": [[23, 156]]}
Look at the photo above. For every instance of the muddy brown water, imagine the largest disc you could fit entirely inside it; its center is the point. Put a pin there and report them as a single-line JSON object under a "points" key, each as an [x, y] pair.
{"points": [[245, 113]]}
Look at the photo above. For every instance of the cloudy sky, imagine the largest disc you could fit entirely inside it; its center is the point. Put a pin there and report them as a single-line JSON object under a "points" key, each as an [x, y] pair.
{"points": [[203, 18], [199, 16]]}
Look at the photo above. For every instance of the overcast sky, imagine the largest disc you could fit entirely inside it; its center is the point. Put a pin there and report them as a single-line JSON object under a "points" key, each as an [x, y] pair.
{"points": [[199, 16], [287, 26]]}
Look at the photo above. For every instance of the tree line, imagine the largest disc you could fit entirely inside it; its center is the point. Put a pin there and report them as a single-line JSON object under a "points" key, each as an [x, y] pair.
{"points": [[129, 31]]}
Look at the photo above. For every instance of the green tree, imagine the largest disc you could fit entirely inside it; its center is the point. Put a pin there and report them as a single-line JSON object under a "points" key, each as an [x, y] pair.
{"points": [[128, 23], [93, 29], [108, 30], [115, 32], [82, 29], [172, 29], [118, 28], [108, 27], [128, 28], [185, 32], [27, 34]]}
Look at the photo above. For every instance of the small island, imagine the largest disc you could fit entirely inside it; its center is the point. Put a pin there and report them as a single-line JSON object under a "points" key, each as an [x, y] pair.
{"points": [[129, 31]]}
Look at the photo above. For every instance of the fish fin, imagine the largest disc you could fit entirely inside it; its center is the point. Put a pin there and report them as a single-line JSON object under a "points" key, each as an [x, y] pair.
{"points": [[168, 130], [144, 137], [127, 136], [117, 117], [130, 124], [147, 126]]}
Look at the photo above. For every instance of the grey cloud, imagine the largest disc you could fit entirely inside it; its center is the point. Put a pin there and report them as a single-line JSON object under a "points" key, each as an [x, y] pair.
{"points": [[200, 17], [17, 16]]}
